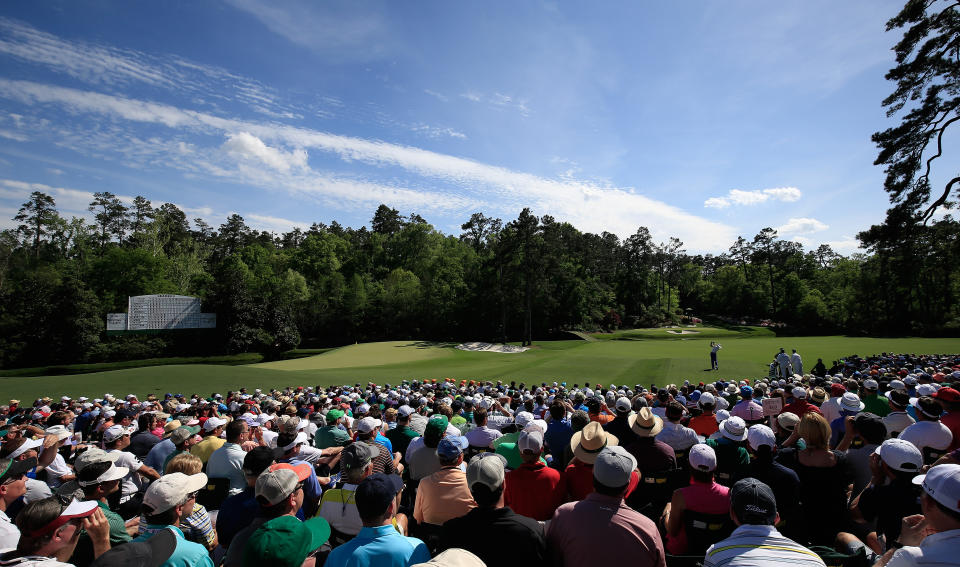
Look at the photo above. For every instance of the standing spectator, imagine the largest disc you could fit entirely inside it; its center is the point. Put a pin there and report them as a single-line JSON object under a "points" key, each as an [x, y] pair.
{"points": [[819, 369], [167, 501], [227, 461], [928, 434], [933, 537], [755, 541], [534, 489], [444, 494], [783, 360], [603, 519], [519, 539], [379, 542], [796, 362]]}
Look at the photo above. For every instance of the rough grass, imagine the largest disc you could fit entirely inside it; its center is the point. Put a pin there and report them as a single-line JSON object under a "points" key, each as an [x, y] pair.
{"points": [[658, 359]]}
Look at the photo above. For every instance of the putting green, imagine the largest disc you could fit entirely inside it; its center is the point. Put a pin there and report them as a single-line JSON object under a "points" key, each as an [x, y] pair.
{"points": [[645, 357]]}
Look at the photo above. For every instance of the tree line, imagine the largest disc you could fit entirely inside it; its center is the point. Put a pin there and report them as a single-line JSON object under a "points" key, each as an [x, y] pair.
{"points": [[530, 277]]}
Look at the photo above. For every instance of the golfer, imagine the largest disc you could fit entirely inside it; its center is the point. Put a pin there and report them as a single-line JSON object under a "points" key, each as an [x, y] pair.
{"points": [[714, 347]]}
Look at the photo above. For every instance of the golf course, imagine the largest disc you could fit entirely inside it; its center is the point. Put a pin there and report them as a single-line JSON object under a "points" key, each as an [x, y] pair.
{"points": [[646, 356]]}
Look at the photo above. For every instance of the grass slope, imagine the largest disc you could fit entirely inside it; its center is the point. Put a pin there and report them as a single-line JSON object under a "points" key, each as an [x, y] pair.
{"points": [[643, 357]]}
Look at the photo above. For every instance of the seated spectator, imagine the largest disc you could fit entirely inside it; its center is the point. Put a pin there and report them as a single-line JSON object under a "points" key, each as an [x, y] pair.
{"points": [[288, 451], [12, 487], [705, 424], [227, 461], [116, 440], [931, 538], [167, 501], [603, 521], [401, 435], [195, 525], [424, 461], [680, 438], [285, 541], [598, 411], [332, 434], [873, 403], [703, 495], [158, 454], [825, 479], [279, 492], [534, 489], [619, 426], [784, 482], [557, 438], [51, 529], [239, 511], [212, 428], [379, 543], [97, 479], [338, 505], [519, 539], [183, 438], [755, 541], [652, 455], [586, 444], [143, 439], [863, 435], [928, 433], [481, 436], [444, 494], [950, 402], [897, 419], [732, 458], [800, 406], [747, 409]]}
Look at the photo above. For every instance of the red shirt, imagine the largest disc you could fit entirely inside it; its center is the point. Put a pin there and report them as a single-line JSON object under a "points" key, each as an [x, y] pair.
{"points": [[800, 407], [578, 480], [952, 421], [534, 490]]}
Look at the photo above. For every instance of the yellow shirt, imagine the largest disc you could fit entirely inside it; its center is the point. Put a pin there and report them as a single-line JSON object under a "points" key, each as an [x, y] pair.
{"points": [[442, 496], [206, 447]]}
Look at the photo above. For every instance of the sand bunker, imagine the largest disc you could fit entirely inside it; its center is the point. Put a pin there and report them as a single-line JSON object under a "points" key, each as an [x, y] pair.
{"points": [[684, 332], [490, 347]]}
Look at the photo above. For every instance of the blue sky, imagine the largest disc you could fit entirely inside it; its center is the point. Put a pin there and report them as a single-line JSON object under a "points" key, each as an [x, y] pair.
{"points": [[701, 120]]}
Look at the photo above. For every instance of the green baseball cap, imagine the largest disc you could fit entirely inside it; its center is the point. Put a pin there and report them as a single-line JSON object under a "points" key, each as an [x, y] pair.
{"points": [[285, 542], [334, 415]]}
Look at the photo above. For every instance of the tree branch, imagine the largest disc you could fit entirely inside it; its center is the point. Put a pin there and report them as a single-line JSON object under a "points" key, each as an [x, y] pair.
{"points": [[926, 174], [940, 200]]}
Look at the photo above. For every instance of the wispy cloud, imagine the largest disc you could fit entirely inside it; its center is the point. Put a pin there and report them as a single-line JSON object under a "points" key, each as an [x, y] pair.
{"points": [[437, 132], [801, 226], [741, 197], [589, 205], [498, 100]]}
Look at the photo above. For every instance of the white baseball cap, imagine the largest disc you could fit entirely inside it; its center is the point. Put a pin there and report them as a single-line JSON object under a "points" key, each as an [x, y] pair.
{"points": [[942, 483], [760, 435], [530, 439], [702, 457], [213, 423], [368, 424], [114, 432], [707, 399], [523, 418], [900, 455], [623, 404]]}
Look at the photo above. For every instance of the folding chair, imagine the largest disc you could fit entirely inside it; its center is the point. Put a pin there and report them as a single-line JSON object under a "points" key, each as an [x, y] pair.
{"points": [[704, 530]]}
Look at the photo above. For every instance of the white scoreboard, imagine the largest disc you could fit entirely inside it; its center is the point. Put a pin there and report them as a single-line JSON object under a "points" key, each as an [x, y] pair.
{"points": [[158, 312]]}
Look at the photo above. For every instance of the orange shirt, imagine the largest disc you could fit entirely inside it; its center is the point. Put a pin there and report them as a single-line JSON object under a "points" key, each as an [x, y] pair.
{"points": [[705, 425]]}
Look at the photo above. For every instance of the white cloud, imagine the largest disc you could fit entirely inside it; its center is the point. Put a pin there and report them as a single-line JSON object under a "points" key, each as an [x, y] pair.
{"points": [[846, 246], [741, 197], [272, 224], [801, 226], [439, 96], [15, 136], [498, 100], [55, 171], [462, 185], [246, 145], [436, 132]]}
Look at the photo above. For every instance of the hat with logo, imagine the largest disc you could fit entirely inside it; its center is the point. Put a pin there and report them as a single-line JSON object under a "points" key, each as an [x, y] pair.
{"points": [[734, 428], [375, 493], [900, 455], [589, 441], [702, 457], [486, 469], [614, 466], [942, 483], [285, 541], [171, 490], [451, 446], [753, 502], [644, 423]]}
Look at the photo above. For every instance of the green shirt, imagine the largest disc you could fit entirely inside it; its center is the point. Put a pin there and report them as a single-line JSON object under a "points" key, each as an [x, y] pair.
{"points": [[331, 436], [875, 404]]}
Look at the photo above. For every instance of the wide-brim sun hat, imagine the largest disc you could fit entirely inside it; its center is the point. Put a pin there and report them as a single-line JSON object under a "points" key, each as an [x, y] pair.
{"points": [[644, 423], [589, 441]]}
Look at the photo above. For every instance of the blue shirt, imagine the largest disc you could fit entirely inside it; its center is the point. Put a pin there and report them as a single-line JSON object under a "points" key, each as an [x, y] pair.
{"points": [[236, 512], [158, 455], [385, 442], [382, 546], [186, 554], [558, 436]]}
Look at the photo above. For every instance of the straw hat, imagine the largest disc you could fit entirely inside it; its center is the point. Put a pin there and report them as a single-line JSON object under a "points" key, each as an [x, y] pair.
{"points": [[644, 423], [590, 441]]}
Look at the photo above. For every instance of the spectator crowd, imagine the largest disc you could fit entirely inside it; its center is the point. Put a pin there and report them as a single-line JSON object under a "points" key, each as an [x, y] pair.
{"points": [[855, 465]]}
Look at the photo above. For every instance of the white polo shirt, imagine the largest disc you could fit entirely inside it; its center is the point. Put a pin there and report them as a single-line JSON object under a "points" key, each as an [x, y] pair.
{"points": [[935, 549], [9, 534]]}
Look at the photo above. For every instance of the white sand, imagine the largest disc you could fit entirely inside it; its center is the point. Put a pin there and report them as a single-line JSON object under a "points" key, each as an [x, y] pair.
{"points": [[684, 332], [491, 347]]}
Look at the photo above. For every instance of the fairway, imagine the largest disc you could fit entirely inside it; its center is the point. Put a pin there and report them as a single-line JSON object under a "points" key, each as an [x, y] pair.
{"points": [[630, 357]]}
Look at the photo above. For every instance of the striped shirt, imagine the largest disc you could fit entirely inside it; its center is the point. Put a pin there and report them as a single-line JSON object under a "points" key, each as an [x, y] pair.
{"points": [[755, 546]]}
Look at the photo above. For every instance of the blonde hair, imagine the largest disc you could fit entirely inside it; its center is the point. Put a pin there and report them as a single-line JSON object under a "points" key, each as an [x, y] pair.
{"points": [[815, 431], [184, 463]]}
